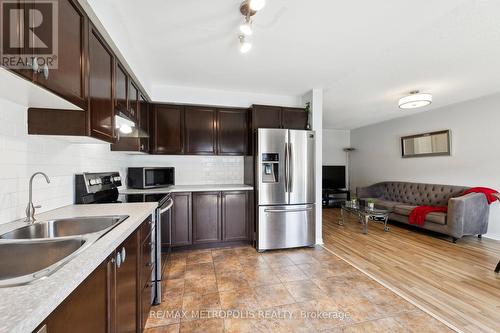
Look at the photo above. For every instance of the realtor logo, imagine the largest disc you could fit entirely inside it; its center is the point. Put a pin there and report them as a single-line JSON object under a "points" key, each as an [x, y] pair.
{"points": [[29, 34]]}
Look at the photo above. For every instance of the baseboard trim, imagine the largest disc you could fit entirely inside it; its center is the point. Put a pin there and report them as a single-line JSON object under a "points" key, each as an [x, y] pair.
{"points": [[492, 236], [397, 292]]}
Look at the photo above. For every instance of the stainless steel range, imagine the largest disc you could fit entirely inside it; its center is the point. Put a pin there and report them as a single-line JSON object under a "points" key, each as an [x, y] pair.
{"points": [[96, 188], [285, 188]]}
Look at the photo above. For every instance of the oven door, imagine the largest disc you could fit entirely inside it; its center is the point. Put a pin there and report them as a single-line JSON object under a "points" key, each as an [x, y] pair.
{"points": [[158, 177]]}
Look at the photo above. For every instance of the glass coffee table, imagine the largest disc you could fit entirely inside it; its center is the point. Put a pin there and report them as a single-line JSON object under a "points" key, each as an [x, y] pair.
{"points": [[365, 214]]}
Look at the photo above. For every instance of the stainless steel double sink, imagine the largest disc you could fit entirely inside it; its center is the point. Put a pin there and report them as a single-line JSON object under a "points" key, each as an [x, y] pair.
{"points": [[37, 250]]}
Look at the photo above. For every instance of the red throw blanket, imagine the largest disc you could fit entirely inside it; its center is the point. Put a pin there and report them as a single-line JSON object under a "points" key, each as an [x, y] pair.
{"points": [[418, 214], [488, 192]]}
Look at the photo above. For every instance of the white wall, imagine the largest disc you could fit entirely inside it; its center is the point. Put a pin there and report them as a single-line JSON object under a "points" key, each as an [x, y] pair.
{"points": [[475, 156], [334, 141], [175, 94], [22, 155], [197, 170]]}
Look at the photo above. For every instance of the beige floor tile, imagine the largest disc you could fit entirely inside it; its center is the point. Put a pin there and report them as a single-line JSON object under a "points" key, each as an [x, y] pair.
{"points": [[276, 259], [199, 257], [175, 270], [172, 288], [232, 280], [199, 270], [382, 325], [227, 265], [246, 251], [223, 254], [260, 276], [315, 270], [387, 302], [213, 325], [196, 304], [201, 286], [304, 290], [418, 321], [289, 273], [164, 329], [273, 295], [239, 299], [253, 262], [166, 313], [323, 314], [301, 257]]}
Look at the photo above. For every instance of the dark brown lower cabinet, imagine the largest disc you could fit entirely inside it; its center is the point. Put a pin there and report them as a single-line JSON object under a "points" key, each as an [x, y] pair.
{"points": [[116, 297], [211, 217], [206, 217], [181, 220], [234, 216]]}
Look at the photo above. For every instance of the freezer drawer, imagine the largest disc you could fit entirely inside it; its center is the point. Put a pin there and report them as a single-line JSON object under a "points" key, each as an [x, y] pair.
{"points": [[288, 226]]}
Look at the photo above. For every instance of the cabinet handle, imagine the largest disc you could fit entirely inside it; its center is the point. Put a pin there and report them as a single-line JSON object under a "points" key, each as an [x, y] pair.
{"points": [[124, 254], [118, 260], [149, 264]]}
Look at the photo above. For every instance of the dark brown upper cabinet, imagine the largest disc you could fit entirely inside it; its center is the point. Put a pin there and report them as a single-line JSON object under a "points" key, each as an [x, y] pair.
{"points": [[121, 88], [206, 217], [133, 99], [294, 118], [200, 130], [64, 75], [234, 216], [232, 134], [144, 114], [101, 108], [266, 116], [167, 129]]}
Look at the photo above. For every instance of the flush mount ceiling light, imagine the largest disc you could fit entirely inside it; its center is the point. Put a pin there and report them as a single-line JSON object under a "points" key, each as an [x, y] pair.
{"points": [[248, 8], [245, 45], [415, 100]]}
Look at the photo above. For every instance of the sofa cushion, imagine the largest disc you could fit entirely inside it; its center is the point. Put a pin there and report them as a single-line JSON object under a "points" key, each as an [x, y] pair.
{"points": [[403, 209], [439, 218], [418, 194], [385, 203]]}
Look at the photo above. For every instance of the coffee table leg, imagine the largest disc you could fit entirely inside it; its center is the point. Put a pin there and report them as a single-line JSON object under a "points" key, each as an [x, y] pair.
{"points": [[341, 221], [386, 228], [365, 224]]}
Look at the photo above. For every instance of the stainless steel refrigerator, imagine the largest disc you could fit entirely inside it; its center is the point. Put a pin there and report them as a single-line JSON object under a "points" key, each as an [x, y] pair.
{"points": [[285, 188]]}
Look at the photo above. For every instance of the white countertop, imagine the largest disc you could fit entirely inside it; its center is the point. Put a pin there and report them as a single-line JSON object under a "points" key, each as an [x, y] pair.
{"points": [[23, 308], [189, 188]]}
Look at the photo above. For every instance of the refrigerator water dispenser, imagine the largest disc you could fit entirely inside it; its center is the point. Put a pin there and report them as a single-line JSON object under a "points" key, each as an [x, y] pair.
{"points": [[270, 167]]}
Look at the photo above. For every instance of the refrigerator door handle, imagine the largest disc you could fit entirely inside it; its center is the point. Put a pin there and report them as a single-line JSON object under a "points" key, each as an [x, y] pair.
{"points": [[287, 165], [290, 168], [271, 210]]}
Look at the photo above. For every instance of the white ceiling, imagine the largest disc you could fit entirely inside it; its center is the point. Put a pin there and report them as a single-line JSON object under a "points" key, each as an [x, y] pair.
{"points": [[366, 54]]}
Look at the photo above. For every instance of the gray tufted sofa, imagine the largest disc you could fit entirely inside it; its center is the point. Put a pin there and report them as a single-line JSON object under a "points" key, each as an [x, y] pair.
{"points": [[467, 215]]}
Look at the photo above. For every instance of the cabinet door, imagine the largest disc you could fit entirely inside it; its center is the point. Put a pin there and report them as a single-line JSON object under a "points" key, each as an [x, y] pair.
{"points": [[144, 123], [266, 117], [168, 129], [101, 110], [85, 309], [133, 99], [67, 78], [121, 88], [234, 216], [181, 219], [232, 131], [200, 127], [294, 118], [126, 285], [206, 217]]}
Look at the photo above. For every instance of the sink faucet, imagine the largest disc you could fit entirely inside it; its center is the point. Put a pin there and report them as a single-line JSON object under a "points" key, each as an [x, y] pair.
{"points": [[30, 210]]}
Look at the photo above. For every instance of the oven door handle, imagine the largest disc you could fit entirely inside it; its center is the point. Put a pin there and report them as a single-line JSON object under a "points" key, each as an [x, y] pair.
{"points": [[169, 205]]}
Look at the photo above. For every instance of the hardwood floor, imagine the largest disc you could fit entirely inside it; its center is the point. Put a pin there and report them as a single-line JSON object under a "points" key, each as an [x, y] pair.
{"points": [[454, 282]]}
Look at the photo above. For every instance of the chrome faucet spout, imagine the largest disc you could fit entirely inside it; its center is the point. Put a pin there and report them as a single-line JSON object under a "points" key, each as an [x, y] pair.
{"points": [[30, 209]]}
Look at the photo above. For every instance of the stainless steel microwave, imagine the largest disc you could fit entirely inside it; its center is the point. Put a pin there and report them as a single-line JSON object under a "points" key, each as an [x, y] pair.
{"points": [[150, 177]]}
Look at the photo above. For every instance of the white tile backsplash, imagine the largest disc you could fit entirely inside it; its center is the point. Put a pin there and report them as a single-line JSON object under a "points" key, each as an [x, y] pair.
{"points": [[196, 170], [21, 155]]}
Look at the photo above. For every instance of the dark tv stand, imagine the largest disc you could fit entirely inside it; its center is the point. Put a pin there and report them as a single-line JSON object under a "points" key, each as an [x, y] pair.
{"points": [[334, 197]]}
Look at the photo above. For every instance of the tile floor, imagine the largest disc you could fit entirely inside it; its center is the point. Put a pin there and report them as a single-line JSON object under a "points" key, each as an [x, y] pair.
{"points": [[301, 290]]}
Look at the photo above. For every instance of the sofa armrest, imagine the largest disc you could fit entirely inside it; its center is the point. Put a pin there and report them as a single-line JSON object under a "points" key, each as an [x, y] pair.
{"points": [[468, 215], [367, 192]]}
